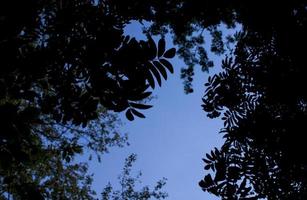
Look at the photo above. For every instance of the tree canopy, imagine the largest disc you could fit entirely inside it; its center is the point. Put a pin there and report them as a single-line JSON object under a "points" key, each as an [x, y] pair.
{"points": [[259, 93], [65, 65], [128, 185]]}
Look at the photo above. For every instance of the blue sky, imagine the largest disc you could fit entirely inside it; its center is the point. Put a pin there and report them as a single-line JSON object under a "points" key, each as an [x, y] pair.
{"points": [[170, 142]]}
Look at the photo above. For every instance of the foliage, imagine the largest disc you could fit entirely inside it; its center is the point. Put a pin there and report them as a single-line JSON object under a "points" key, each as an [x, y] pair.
{"points": [[66, 70], [259, 93], [128, 186], [64, 61], [50, 178]]}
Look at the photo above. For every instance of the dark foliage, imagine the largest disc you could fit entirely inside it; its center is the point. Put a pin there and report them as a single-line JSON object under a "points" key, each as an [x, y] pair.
{"points": [[260, 93], [128, 186], [65, 66], [66, 63], [261, 96]]}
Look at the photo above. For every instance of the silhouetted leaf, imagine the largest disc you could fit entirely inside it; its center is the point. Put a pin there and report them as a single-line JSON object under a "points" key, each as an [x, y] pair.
{"points": [[140, 106], [135, 112], [207, 167], [170, 53], [126, 39], [155, 73], [150, 79], [209, 156], [208, 179], [152, 48], [161, 69], [161, 47], [206, 161], [167, 64], [140, 96], [129, 115]]}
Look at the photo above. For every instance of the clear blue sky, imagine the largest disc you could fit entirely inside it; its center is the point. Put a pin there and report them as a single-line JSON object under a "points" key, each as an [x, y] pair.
{"points": [[170, 142]]}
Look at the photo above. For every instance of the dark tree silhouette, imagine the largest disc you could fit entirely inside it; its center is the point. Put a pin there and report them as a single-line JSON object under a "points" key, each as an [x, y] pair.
{"points": [[65, 67], [260, 93], [128, 183], [66, 64]]}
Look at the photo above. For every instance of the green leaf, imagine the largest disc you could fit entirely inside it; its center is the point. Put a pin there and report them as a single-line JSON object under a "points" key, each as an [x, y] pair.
{"points": [[167, 64], [170, 53], [161, 47], [129, 115], [137, 113], [161, 69], [140, 106]]}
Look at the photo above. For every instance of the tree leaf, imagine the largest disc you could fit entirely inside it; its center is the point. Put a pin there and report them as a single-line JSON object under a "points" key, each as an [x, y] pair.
{"points": [[155, 73], [167, 64], [140, 96], [140, 106], [207, 167], [137, 113], [152, 48], [161, 47], [161, 69], [170, 53], [129, 115], [206, 161], [150, 79], [209, 156], [126, 39]]}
